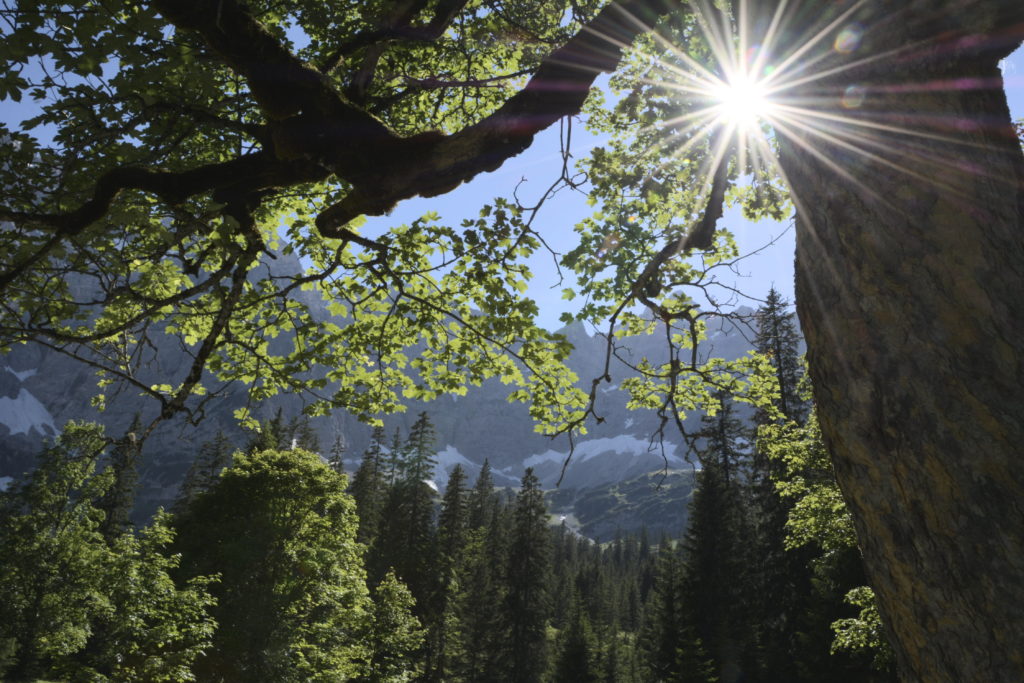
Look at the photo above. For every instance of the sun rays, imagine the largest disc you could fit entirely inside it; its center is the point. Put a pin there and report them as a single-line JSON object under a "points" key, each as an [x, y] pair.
{"points": [[754, 80]]}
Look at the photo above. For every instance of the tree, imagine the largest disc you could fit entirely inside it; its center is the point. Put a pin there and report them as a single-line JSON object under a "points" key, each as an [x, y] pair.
{"points": [[452, 536], [526, 607], [74, 603], [369, 489], [213, 457], [148, 629], [779, 341], [575, 658], [480, 602], [292, 603], [714, 584], [672, 649], [396, 635], [819, 518], [908, 230], [782, 581], [119, 500], [406, 538]]}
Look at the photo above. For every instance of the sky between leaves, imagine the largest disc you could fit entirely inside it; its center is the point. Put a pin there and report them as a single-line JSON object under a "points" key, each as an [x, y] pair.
{"points": [[769, 244]]}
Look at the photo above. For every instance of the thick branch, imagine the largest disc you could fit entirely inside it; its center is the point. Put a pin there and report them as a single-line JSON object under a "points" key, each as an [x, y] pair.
{"points": [[400, 28], [433, 165]]}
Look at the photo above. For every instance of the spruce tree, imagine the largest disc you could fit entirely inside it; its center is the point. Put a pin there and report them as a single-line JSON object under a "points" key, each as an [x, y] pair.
{"points": [[419, 457], [575, 661], [481, 598], [443, 629], [336, 457], [714, 581], [527, 603], [406, 537], [369, 488], [213, 457], [778, 339], [782, 579], [482, 500]]}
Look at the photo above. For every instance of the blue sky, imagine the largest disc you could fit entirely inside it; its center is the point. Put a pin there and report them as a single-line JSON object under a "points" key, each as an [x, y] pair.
{"points": [[773, 241], [540, 165]]}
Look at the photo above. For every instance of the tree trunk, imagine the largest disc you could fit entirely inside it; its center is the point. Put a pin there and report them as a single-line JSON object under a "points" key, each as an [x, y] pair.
{"points": [[910, 290]]}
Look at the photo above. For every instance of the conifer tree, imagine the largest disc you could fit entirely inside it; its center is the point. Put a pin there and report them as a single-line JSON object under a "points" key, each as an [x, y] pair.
{"points": [[336, 457], [482, 500], [442, 636], [419, 457], [406, 538], [527, 603], [781, 580], [481, 600], [714, 583], [299, 433], [202, 474], [575, 661], [778, 339], [270, 435], [369, 489]]}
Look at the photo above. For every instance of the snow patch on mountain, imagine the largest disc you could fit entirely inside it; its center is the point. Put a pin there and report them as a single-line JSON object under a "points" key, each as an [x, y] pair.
{"points": [[24, 413], [446, 462], [22, 375], [622, 444]]}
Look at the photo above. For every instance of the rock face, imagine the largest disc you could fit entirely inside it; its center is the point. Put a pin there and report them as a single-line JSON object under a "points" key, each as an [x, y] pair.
{"points": [[41, 390]]}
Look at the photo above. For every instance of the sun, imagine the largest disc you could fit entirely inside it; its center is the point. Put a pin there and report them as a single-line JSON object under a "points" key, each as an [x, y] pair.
{"points": [[741, 101]]}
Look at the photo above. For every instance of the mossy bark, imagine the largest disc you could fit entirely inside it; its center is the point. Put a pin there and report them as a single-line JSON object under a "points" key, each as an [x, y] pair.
{"points": [[910, 290]]}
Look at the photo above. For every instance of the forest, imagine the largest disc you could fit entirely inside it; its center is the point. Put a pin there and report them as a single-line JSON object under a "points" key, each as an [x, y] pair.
{"points": [[184, 182], [273, 564]]}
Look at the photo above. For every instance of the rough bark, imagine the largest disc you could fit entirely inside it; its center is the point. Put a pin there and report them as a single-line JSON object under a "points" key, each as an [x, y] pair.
{"points": [[910, 290]]}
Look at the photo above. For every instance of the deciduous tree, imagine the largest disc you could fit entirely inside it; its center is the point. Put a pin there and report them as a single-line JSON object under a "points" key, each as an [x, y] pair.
{"points": [[167, 177]]}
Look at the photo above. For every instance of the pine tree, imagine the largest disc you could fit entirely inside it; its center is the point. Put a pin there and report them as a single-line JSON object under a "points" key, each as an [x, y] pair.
{"points": [[420, 452], [336, 458], [527, 603], [782, 580], [299, 433], [482, 501], [714, 584], [671, 648], [406, 537], [575, 659], [270, 435], [481, 598], [727, 441]]}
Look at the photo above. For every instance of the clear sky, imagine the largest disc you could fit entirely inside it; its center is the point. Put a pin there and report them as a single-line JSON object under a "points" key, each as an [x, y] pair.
{"points": [[540, 165]]}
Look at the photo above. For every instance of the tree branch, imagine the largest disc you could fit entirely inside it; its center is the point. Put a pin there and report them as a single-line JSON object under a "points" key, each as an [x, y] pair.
{"points": [[430, 165]]}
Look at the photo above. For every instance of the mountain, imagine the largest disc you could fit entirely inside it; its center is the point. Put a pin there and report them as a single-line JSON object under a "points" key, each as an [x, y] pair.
{"points": [[40, 390]]}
